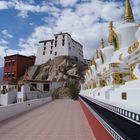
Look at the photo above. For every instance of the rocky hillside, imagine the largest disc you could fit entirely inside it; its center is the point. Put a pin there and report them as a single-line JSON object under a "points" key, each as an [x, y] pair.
{"points": [[61, 68]]}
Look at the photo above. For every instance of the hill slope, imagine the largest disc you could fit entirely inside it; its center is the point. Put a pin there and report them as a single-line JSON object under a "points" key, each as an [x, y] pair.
{"points": [[61, 68]]}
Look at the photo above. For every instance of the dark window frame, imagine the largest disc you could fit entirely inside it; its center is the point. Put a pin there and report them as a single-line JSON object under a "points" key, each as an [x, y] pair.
{"points": [[63, 36], [44, 48], [43, 52], [124, 96], [55, 53], [46, 87], [33, 86]]}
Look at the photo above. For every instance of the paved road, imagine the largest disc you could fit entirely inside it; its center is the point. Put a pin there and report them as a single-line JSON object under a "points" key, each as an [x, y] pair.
{"points": [[58, 120]]}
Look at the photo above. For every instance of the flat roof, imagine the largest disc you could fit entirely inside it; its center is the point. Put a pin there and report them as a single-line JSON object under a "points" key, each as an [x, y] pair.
{"points": [[46, 40], [62, 34], [19, 55]]}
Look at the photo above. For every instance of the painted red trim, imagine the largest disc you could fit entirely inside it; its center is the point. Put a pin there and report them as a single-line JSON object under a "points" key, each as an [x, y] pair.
{"points": [[99, 131]]}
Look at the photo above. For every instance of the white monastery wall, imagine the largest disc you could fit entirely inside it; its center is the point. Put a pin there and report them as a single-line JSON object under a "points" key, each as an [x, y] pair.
{"points": [[61, 45]]}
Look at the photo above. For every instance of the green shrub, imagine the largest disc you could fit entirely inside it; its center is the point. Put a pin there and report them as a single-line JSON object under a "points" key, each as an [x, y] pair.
{"points": [[55, 95], [74, 90]]}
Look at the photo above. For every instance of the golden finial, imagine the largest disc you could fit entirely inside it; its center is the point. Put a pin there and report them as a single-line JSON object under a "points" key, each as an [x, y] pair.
{"points": [[94, 63], [97, 54], [102, 43], [111, 25], [128, 12], [110, 38]]}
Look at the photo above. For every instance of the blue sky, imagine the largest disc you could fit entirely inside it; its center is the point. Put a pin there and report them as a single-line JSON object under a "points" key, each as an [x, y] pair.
{"points": [[25, 22]]}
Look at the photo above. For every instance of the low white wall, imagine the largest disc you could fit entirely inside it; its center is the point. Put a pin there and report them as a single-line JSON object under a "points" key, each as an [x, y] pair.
{"points": [[8, 98], [14, 109]]}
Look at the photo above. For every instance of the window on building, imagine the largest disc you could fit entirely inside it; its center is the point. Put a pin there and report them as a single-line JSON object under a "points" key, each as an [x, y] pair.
{"points": [[5, 75], [55, 53], [52, 42], [44, 48], [63, 36], [46, 87], [50, 52], [63, 42], [55, 37], [9, 75], [33, 87], [19, 87], [13, 63], [13, 75], [124, 96], [55, 43], [69, 48], [43, 52], [9, 64], [45, 43], [51, 47]]}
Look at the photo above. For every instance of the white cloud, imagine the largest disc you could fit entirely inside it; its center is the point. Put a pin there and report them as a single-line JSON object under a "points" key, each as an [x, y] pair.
{"points": [[6, 4], [6, 34], [25, 8], [29, 46], [136, 9], [3, 47], [3, 5], [66, 3]]}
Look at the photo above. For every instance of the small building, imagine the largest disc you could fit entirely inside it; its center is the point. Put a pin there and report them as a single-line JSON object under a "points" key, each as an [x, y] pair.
{"points": [[15, 66], [34, 89], [8, 93], [62, 45]]}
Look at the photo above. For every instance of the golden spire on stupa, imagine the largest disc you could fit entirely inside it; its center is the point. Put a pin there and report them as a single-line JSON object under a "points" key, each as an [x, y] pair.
{"points": [[102, 43], [128, 12], [110, 38], [97, 54]]}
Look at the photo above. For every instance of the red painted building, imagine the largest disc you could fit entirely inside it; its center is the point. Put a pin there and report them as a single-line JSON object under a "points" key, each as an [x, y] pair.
{"points": [[15, 66]]}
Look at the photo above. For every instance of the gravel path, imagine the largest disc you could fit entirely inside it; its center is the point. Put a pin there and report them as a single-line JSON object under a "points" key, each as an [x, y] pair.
{"points": [[58, 120]]}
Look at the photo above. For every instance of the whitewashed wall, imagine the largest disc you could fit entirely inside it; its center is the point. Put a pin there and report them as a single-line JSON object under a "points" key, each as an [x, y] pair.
{"points": [[70, 48], [14, 109], [126, 33]]}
